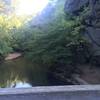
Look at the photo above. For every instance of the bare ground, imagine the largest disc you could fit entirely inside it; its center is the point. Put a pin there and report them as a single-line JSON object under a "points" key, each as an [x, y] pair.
{"points": [[90, 74]]}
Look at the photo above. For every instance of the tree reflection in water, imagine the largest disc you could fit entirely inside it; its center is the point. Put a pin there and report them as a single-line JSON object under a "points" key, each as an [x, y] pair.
{"points": [[22, 73]]}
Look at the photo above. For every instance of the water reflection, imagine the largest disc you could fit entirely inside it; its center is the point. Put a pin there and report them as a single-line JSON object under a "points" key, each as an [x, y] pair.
{"points": [[22, 73]]}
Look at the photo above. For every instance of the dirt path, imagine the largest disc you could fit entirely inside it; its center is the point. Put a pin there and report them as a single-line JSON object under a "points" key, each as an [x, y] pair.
{"points": [[13, 56]]}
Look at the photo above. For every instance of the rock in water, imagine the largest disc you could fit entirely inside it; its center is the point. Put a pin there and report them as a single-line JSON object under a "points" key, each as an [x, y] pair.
{"points": [[13, 56], [73, 6]]}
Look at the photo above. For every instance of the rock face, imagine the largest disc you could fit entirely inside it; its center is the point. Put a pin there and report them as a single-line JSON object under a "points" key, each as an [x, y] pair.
{"points": [[92, 20], [73, 6]]}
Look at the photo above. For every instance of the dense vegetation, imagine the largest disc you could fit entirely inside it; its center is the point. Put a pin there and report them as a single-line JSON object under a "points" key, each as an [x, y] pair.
{"points": [[52, 39]]}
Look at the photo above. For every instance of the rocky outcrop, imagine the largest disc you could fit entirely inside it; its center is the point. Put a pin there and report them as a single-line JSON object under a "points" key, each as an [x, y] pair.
{"points": [[91, 21]]}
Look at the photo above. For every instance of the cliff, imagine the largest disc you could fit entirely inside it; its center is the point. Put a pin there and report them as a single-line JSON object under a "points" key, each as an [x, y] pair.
{"points": [[91, 19]]}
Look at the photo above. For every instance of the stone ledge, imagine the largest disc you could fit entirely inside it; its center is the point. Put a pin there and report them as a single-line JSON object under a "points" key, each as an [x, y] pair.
{"points": [[50, 89]]}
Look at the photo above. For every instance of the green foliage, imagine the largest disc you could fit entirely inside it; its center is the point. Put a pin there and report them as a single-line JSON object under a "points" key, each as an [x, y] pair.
{"points": [[56, 42], [4, 38], [53, 40], [4, 48]]}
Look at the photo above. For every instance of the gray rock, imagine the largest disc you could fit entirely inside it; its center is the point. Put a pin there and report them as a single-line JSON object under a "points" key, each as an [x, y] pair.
{"points": [[93, 36], [72, 6], [92, 19], [77, 92]]}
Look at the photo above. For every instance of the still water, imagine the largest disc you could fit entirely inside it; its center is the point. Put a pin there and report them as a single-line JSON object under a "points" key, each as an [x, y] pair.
{"points": [[22, 73]]}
